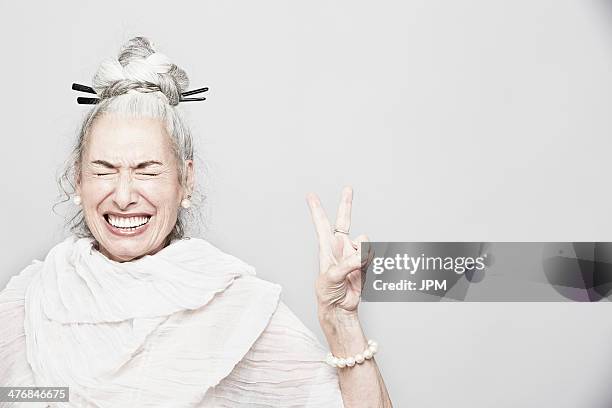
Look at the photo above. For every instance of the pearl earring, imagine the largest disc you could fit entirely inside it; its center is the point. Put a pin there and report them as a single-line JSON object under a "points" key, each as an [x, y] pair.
{"points": [[77, 199], [186, 202]]}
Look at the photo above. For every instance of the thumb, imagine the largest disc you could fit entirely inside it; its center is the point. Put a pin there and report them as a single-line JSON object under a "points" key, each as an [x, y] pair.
{"points": [[339, 272]]}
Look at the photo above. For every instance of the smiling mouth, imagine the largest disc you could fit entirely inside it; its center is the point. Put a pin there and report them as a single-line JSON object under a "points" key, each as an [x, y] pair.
{"points": [[127, 223]]}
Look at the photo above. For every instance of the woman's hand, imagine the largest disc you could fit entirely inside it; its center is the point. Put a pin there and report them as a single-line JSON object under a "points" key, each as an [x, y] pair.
{"points": [[338, 287], [341, 272]]}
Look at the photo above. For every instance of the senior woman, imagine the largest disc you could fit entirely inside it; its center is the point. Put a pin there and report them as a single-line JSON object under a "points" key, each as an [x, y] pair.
{"points": [[129, 312]]}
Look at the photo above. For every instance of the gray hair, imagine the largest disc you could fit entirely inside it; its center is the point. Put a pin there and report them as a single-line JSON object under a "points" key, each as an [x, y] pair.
{"points": [[140, 82]]}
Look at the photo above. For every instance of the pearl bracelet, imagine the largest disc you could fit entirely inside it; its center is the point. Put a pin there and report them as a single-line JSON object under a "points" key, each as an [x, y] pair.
{"points": [[367, 354]]}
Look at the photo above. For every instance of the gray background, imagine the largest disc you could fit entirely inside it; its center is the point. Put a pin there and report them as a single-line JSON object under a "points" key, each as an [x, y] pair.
{"points": [[474, 120]]}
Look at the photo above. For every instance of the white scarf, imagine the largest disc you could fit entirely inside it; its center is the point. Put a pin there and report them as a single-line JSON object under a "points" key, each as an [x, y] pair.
{"points": [[165, 327]]}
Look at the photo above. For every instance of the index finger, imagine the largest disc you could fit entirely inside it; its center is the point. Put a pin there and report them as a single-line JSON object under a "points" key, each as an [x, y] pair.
{"points": [[343, 218], [319, 218]]}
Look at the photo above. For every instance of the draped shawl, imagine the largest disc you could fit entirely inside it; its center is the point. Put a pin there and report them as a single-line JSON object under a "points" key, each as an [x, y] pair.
{"points": [[189, 326]]}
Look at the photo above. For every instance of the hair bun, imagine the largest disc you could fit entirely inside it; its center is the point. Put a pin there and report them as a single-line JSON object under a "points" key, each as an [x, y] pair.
{"points": [[139, 67]]}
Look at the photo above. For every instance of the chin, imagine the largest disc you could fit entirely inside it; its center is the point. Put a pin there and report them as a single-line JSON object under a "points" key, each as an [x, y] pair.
{"points": [[125, 251]]}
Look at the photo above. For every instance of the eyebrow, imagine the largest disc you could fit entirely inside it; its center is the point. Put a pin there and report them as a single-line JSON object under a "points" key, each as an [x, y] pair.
{"points": [[140, 165]]}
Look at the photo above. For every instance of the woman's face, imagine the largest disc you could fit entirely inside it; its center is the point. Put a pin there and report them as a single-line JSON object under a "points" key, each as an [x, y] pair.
{"points": [[129, 185]]}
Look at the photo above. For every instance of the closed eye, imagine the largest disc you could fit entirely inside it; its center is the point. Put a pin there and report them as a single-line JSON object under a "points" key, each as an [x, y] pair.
{"points": [[149, 174]]}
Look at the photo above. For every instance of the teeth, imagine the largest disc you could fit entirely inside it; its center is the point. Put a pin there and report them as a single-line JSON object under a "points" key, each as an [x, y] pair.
{"points": [[127, 222]]}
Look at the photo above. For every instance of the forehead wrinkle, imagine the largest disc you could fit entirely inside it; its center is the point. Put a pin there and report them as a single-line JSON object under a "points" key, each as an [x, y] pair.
{"points": [[128, 142]]}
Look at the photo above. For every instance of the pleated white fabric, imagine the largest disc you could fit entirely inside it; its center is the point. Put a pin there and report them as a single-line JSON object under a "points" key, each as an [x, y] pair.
{"points": [[190, 326]]}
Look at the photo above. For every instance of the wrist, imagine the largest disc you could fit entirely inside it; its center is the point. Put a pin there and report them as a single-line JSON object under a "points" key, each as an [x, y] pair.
{"points": [[337, 317], [343, 332]]}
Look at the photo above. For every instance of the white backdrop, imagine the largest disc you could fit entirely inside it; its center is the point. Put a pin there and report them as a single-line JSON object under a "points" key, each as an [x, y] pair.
{"points": [[475, 120]]}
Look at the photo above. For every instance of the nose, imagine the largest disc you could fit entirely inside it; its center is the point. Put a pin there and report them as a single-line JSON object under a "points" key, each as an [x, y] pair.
{"points": [[124, 195]]}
